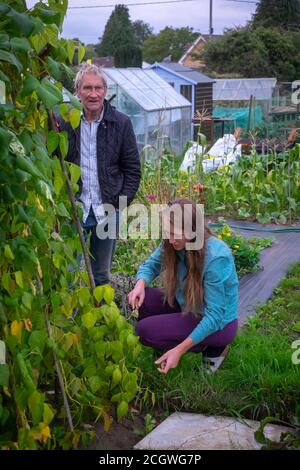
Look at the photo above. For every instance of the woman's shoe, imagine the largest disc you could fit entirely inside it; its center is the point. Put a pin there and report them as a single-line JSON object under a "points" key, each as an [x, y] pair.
{"points": [[213, 357]]}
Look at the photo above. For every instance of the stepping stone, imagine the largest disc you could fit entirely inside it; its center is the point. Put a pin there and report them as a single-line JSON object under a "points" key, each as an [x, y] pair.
{"points": [[183, 431]]}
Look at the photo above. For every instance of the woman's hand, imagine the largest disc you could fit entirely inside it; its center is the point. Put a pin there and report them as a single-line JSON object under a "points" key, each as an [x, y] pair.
{"points": [[137, 295], [169, 360]]}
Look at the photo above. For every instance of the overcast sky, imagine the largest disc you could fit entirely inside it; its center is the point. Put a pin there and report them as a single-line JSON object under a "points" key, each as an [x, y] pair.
{"points": [[88, 24]]}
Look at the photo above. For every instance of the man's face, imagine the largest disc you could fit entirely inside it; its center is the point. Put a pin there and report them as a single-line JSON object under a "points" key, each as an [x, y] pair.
{"points": [[92, 92]]}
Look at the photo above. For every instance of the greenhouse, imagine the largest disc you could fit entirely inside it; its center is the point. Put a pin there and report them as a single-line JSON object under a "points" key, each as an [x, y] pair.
{"points": [[244, 102], [161, 117]]}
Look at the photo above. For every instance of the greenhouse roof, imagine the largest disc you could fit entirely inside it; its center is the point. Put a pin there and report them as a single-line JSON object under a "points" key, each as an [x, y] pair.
{"points": [[236, 89], [147, 88]]}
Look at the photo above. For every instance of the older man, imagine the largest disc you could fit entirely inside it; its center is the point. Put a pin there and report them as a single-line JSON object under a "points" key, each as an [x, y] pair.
{"points": [[104, 146]]}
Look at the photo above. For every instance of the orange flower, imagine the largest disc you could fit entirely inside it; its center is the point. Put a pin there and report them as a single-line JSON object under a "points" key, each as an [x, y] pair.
{"points": [[199, 187]]}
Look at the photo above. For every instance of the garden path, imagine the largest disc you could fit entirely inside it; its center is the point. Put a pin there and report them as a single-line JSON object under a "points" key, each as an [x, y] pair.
{"points": [[256, 288]]}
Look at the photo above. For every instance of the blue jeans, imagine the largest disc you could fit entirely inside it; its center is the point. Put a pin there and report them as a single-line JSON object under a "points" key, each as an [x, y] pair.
{"points": [[101, 251]]}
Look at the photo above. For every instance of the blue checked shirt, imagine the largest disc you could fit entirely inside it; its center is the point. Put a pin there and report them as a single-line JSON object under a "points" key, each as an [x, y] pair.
{"points": [[91, 192]]}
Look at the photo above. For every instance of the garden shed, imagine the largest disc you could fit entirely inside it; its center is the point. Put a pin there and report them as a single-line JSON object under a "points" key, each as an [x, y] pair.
{"points": [[247, 102], [194, 86], [161, 117]]}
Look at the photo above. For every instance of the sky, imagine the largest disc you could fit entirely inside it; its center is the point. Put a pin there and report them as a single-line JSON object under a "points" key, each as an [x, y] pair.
{"points": [[88, 23]]}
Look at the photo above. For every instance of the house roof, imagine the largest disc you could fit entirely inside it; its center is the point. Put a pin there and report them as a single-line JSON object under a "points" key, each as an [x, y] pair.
{"points": [[185, 72], [201, 38], [146, 88], [103, 61]]}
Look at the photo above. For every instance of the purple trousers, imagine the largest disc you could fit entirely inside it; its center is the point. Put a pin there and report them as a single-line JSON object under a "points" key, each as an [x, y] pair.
{"points": [[163, 327]]}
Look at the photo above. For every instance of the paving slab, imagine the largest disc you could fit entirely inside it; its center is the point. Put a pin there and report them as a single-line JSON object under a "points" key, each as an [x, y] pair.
{"points": [[189, 431]]}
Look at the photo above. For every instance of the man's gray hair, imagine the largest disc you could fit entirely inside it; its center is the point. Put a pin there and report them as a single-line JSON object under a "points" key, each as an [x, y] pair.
{"points": [[90, 69]]}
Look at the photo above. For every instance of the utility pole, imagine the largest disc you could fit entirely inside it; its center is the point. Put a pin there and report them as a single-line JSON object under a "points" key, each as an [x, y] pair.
{"points": [[211, 29]]}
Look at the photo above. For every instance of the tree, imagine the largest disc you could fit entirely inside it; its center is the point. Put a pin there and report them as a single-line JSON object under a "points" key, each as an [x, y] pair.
{"points": [[263, 52], [169, 41], [284, 14], [142, 31], [119, 36]]}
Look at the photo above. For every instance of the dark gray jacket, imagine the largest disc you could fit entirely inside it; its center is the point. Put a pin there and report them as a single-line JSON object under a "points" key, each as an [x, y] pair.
{"points": [[119, 169]]}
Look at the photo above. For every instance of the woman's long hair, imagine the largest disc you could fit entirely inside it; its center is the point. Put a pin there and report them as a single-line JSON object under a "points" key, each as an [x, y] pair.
{"points": [[194, 259]]}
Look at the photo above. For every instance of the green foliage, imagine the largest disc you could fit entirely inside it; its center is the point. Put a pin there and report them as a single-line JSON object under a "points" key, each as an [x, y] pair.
{"points": [[119, 39], [142, 31], [283, 14], [246, 253], [259, 52], [168, 41], [38, 244]]}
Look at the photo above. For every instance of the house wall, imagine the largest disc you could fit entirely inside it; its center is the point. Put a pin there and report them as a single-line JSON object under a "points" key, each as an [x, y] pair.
{"points": [[171, 78]]}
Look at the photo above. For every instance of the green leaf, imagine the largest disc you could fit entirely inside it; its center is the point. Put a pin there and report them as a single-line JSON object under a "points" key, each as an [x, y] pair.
{"points": [[6, 282], [296, 326], [108, 294], [22, 216], [44, 190], [89, 319], [99, 293], [116, 377], [20, 23], [30, 85], [20, 44], [70, 50], [26, 300], [62, 211], [63, 143], [25, 164], [49, 94], [4, 375], [122, 410], [5, 139], [49, 16], [58, 180], [36, 406], [52, 141], [11, 59], [74, 101], [38, 231], [75, 116], [84, 296], [19, 279], [74, 172], [54, 68], [18, 192], [81, 52], [8, 253], [48, 414], [95, 383], [37, 340]]}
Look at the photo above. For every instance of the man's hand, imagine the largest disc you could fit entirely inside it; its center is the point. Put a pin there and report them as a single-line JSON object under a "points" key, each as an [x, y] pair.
{"points": [[137, 296]]}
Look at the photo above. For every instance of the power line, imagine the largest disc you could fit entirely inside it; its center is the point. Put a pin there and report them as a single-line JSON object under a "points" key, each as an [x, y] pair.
{"points": [[157, 2]]}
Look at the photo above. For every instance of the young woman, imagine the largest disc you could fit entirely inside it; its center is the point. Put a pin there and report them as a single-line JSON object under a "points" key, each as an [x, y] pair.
{"points": [[197, 308]]}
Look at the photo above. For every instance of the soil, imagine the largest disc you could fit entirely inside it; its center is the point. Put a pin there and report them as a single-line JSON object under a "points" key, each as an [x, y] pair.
{"points": [[121, 436]]}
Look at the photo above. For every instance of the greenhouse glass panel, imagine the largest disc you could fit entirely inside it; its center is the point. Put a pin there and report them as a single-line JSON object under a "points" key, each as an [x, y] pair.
{"points": [[161, 117]]}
